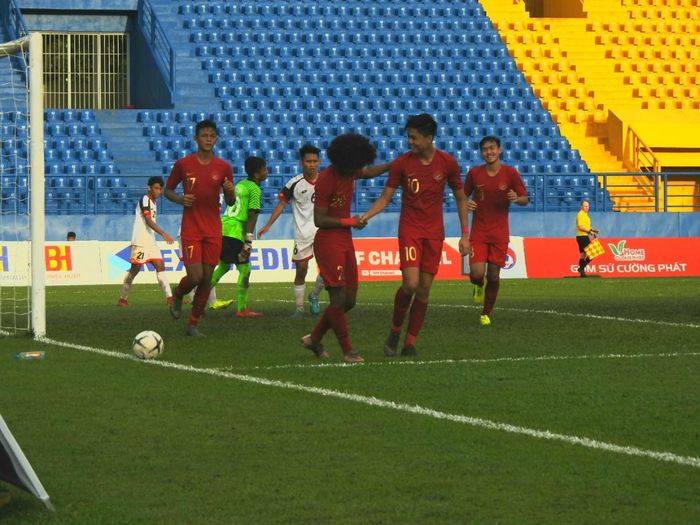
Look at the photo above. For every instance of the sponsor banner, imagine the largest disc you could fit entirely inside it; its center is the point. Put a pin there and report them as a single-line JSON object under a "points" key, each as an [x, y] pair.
{"points": [[624, 257]]}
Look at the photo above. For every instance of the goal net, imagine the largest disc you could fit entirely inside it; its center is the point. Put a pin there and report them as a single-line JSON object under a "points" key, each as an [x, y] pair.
{"points": [[22, 225]]}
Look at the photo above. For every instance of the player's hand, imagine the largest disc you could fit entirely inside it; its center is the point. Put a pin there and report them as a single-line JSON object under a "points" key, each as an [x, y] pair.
{"points": [[188, 200], [228, 185], [512, 196], [167, 238], [464, 246], [471, 205], [263, 230], [360, 222], [244, 254]]}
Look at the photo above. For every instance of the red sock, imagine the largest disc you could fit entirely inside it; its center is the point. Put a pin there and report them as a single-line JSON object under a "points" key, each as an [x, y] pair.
{"points": [[339, 323], [184, 287], [321, 327], [490, 296], [401, 303], [415, 321], [200, 300]]}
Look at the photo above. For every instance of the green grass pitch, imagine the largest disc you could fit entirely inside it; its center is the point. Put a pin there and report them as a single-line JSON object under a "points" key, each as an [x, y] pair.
{"points": [[578, 405]]}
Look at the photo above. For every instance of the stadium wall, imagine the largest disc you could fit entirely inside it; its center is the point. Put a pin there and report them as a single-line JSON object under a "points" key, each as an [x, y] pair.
{"points": [[522, 223], [92, 5]]}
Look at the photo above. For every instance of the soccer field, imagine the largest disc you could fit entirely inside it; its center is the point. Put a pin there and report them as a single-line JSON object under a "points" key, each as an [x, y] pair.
{"points": [[578, 405]]}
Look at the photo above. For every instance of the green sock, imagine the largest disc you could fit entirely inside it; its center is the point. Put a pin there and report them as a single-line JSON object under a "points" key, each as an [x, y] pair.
{"points": [[219, 272], [242, 288]]}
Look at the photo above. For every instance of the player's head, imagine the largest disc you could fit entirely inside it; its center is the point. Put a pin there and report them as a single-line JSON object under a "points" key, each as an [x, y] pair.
{"points": [[420, 130], [256, 168], [155, 186], [585, 205], [490, 149], [205, 135], [309, 160], [350, 152], [70, 236]]}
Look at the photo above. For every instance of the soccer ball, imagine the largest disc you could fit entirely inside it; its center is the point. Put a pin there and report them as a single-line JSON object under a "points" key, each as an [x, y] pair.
{"points": [[148, 345]]}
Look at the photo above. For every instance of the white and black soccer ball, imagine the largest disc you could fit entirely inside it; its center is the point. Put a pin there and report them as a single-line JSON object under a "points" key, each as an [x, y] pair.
{"points": [[148, 345]]}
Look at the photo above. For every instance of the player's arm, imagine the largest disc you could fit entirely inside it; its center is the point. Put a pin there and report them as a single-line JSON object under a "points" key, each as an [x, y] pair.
{"points": [[273, 217], [463, 212], [154, 226], [382, 202], [370, 172], [518, 194], [229, 191], [326, 222]]}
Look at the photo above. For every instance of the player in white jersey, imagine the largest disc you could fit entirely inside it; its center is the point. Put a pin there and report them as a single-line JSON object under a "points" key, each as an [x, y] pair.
{"points": [[144, 248], [300, 191]]}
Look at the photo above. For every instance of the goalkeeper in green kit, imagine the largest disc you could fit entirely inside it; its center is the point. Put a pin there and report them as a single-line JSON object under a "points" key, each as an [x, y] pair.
{"points": [[238, 225]]}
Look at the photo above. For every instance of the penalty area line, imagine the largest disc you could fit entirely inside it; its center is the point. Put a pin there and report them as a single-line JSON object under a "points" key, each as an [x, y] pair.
{"points": [[668, 457]]}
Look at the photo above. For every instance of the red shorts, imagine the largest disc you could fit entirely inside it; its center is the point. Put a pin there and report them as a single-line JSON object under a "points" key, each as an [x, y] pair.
{"points": [[205, 250], [494, 253], [424, 254], [337, 264]]}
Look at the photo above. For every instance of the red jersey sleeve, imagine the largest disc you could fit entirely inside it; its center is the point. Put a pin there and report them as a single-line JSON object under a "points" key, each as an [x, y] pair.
{"points": [[454, 179], [468, 184], [396, 172], [518, 185], [175, 176], [324, 190]]}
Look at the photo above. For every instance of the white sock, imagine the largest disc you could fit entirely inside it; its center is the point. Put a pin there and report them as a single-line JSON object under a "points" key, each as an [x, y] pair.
{"points": [[299, 290], [212, 297], [164, 284], [128, 279], [318, 286]]}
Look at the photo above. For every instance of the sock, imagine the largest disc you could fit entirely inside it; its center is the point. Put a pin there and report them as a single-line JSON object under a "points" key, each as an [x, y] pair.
{"points": [[242, 288], [128, 279], [339, 324], [164, 284], [319, 285], [415, 321], [477, 283], [184, 287], [490, 296], [321, 327], [299, 290], [585, 262], [401, 303], [219, 271], [198, 303]]}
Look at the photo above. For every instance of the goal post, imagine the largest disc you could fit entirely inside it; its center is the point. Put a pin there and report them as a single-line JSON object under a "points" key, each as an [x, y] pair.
{"points": [[22, 169]]}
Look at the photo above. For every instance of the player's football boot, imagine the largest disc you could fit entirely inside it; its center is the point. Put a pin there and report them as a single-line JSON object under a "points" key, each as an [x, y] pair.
{"points": [[391, 343], [220, 304], [485, 320], [353, 358], [316, 348], [193, 331], [123, 303], [478, 294], [248, 313], [314, 304], [298, 314], [176, 307], [409, 351]]}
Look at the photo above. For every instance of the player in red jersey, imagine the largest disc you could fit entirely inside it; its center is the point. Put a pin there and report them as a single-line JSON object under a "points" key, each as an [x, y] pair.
{"points": [[333, 247], [203, 176], [422, 174], [491, 188]]}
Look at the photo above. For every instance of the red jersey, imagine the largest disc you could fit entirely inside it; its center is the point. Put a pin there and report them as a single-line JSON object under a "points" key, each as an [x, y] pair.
{"points": [[205, 181], [335, 193], [423, 188], [490, 222]]}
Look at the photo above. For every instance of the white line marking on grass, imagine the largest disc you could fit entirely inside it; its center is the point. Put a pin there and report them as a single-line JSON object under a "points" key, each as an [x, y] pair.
{"points": [[411, 362], [669, 457]]}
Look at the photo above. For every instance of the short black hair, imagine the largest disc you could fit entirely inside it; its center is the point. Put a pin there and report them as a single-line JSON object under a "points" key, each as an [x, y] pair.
{"points": [[351, 151], [308, 149], [71, 235], [156, 179], [489, 138], [424, 123], [206, 123], [253, 165]]}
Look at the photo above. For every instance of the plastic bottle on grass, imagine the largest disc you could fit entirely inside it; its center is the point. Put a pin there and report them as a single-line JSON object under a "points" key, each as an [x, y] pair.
{"points": [[30, 356]]}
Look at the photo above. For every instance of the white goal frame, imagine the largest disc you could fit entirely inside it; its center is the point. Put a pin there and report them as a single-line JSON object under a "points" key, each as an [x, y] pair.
{"points": [[33, 45]]}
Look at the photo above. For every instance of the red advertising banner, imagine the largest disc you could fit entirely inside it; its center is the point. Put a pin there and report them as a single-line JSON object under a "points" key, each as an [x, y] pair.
{"points": [[628, 257], [378, 260]]}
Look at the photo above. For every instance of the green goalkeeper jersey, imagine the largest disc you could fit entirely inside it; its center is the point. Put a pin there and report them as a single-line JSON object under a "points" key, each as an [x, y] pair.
{"points": [[235, 218]]}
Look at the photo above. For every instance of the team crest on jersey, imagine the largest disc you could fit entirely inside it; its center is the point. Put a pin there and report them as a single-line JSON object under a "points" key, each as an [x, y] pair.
{"points": [[502, 186], [438, 177], [337, 201]]}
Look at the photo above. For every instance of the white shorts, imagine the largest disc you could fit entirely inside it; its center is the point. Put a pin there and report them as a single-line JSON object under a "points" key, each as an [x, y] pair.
{"points": [[144, 254], [303, 252]]}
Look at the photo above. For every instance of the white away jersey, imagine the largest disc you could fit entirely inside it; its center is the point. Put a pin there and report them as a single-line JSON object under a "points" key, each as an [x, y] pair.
{"points": [[142, 234], [302, 194]]}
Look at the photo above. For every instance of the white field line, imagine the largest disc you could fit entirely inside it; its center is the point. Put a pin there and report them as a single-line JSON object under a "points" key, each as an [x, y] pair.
{"points": [[669, 457], [412, 362]]}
